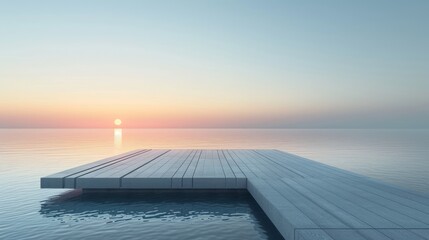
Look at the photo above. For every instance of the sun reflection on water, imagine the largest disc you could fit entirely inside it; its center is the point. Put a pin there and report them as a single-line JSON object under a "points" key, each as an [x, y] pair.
{"points": [[117, 136]]}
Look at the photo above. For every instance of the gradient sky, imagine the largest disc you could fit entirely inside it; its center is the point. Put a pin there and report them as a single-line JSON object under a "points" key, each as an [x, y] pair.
{"points": [[304, 64]]}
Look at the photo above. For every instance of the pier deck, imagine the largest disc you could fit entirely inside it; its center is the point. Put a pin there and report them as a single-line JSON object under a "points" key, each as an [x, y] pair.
{"points": [[304, 199]]}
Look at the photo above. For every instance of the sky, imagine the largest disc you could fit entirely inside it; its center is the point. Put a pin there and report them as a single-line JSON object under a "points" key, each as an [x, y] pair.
{"points": [[214, 64]]}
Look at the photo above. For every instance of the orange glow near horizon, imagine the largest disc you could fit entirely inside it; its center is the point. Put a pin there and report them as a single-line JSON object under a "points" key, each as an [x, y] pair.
{"points": [[184, 108]]}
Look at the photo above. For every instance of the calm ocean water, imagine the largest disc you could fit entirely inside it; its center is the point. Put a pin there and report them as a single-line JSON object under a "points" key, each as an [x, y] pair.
{"points": [[399, 157]]}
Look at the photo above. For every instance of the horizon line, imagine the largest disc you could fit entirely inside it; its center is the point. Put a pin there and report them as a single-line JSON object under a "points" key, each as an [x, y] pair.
{"points": [[263, 128]]}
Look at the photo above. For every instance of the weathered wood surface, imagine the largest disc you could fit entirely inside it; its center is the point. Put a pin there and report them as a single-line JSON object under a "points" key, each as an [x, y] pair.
{"points": [[303, 198]]}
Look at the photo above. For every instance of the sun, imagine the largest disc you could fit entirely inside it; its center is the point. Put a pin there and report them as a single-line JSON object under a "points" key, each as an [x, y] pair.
{"points": [[118, 122]]}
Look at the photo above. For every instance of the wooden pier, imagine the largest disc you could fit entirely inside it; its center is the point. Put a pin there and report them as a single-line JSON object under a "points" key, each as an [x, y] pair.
{"points": [[304, 199]]}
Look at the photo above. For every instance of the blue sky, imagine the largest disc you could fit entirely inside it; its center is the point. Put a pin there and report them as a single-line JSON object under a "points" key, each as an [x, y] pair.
{"points": [[358, 64]]}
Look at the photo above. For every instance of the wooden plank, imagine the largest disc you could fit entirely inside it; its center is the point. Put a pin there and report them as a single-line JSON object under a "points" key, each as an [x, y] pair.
{"points": [[400, 234], [248, 172], [329, 206], [312, 234], [209, 173], [355, 234], [424, 233], [255, 169], [313, 211], [57, 180], [177, 165], [70, 181], [372, 184], [166, 171], [391, 192], [187, 178], [286, 160], [379, 209], [150, 175], [284, 214], [400, 197], [230, 179], [357, 211], [110, 177], [287, 167], [267, 170], [324, 169], [309, 167], [371, 234], [179, 174], [153, 166], [411, 215], [369, 184], [240, 177], [351, 234]]}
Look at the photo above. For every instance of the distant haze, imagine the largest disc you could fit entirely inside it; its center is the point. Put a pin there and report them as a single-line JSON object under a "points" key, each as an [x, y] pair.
{"points": [[223, 63]]}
